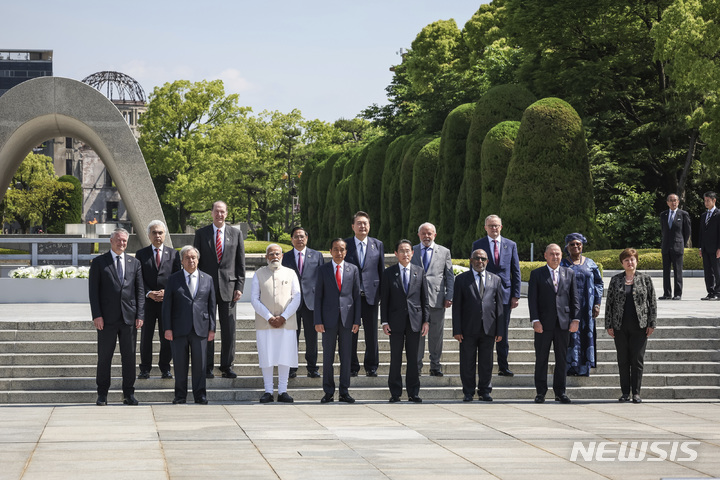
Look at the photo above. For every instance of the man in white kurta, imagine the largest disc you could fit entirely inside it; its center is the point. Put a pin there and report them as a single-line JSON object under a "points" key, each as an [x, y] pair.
{"points": [[275, 298]]}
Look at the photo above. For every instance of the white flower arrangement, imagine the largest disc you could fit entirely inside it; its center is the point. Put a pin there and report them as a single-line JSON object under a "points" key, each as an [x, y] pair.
{"points": [[50, 272], [458, 269]]}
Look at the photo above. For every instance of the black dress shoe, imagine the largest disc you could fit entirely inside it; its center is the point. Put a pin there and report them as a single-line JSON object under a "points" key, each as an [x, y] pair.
{"points": [[293, 373], [467, 398], [143, 375], [201, 400], [415, 399], [209, 374], [394, 399], [228, 373], [562, 398], [313, 374], [677, 297], [485, 397], [665, 297], [624, 398], [267, 398], [179, 401], [506, 373], [353, 373], [101, 400], [436, 373], [347, 398], [636, 398], [130, 400], [167, 375], [285, 398], [327, 398], [371, 373], [711, 296], [539, 398]]}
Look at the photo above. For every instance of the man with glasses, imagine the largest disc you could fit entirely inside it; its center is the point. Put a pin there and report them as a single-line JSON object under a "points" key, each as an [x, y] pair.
{"points": [[504, 262], [477, 318]]}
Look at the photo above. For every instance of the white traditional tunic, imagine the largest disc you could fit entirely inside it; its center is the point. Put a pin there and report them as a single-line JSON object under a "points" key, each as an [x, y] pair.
{"points": [[276, 292]]}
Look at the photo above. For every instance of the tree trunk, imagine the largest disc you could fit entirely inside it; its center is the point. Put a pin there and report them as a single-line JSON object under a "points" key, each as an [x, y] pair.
{"points": [[686, 168]]}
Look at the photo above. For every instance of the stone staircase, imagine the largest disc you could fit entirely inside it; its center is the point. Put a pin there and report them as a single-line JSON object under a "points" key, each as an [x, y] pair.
{"points": [[54, 362]]}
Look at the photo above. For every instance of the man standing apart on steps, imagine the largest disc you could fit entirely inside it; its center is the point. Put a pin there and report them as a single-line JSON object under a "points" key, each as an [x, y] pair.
{"points": [[436, 261], [368, 255], [275, 296], [675, 233], [710, 246], [222, 256], [504, 262], [117, 303]]}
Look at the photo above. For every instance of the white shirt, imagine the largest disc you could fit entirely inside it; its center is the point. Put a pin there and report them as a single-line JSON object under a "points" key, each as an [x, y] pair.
{"points": [[492, 245], [365, 247], [479, 277], [262, 310], [222, 236], [297, 256], [187, 280], [342, 267]]}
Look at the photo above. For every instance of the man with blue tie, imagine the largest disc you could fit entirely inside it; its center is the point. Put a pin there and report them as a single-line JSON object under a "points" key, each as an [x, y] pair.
{"points": [[305, 262], [504, 262], [368, 255], [674, 234], [337, 317], [709, 244]]}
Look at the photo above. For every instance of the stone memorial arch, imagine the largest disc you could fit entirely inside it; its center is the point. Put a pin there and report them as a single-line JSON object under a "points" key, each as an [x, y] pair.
{"points": [[49, 107]]}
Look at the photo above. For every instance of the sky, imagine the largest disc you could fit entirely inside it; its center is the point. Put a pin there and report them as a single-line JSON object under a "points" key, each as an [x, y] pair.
{"points": [[330, 59]]}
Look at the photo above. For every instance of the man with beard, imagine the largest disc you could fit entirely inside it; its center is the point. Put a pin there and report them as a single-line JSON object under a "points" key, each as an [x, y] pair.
{"points": [[275, 298]]}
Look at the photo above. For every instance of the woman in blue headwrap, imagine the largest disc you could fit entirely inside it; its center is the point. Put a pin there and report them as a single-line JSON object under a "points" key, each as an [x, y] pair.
{"points": [[582, 349]]}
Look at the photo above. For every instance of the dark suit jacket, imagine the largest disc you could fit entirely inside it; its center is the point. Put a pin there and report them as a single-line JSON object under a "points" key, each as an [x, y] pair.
{"points": [[371, 273], [330, 304], [676, 238], [546, 305], [155, 278], [396, 305], [111, 300], [472, 315], [311, 263], [181, 312], [229, 274], [709, 239], [509, 268]]}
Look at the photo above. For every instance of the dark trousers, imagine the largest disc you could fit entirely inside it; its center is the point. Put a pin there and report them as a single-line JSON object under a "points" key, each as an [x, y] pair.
{"points": [[559, 340], [503, 347], [630, 345], [676, 261], [341, 337], [306, 322], [183, 348], [226, 316], [476, 351], [126, 336], [153, 315], [711, 270], [369, 315], [410, 340]]}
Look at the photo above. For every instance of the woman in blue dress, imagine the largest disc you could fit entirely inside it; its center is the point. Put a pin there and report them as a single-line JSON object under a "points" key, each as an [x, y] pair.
{"points": [[582, 349]]}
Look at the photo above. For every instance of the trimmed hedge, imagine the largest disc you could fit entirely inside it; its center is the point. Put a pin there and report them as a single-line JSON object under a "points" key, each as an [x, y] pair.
{"points": [[390, 193], [324, 175], [649, 259], [372, 176], [407, 168], [422, 179], [495, 157]]}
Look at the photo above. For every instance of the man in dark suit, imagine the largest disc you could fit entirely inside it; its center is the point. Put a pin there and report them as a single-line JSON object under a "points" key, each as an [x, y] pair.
{"points": [[675, 233], [337, 317], [554, 310], [477, 319], [504, 262], [405, 315], [189, 323], [440, 279], [117, 303], [709, 243], [158, 263], [305, 262], [368, 254], [222, 256]]}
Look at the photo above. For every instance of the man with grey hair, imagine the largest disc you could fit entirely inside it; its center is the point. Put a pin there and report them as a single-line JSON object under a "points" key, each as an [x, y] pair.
{"points": [[117, 303], [189, 323], [440, 279], [275, 296], [158, 262]]}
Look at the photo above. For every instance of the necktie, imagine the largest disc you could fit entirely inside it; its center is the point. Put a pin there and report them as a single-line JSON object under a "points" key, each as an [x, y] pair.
{"points": [[300, 263], [671, 218], [426, 258], [157, 257], [119, 267], [496, 253], [338, 278], [481, 286], [555, 280], [707, 217], [191, 285], [406, 279], [362, 255], [218, 246]]}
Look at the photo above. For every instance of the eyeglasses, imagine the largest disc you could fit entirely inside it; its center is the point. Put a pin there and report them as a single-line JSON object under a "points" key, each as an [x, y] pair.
{"points": [[493, 226], [482, 259]]}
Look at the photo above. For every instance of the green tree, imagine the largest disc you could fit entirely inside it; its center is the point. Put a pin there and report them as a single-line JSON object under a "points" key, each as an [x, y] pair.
{"points": [[494, 160], [73, 213], [631, 222]]}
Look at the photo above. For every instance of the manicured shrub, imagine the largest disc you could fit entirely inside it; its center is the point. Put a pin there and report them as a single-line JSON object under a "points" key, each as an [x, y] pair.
{"points": [[324, 175], [495, 157], [407, 168], [372, 179], [425, 164], [390, 193]]}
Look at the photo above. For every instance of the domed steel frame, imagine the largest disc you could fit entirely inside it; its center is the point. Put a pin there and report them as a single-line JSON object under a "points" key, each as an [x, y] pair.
{"points": [[117, 86]]}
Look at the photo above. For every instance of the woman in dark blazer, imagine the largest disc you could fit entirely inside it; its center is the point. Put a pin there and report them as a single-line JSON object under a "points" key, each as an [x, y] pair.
{"points": [[630, 316]]}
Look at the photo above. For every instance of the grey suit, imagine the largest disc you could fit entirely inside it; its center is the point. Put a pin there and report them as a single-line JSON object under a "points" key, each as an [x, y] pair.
{"points": [[440, 281]]}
